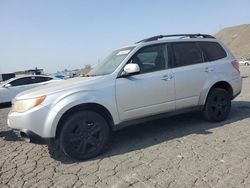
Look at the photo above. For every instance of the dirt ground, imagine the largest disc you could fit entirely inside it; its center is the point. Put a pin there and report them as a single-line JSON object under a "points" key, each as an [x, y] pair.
{"points": [[181, 151]]}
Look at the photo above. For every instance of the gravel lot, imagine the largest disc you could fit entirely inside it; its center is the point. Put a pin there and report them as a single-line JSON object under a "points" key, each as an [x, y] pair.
{"points": [[182, 151]]}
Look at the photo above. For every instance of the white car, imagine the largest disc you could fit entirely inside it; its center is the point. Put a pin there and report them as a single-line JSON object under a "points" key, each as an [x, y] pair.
{"points": [[10, 88], [244, 62]]}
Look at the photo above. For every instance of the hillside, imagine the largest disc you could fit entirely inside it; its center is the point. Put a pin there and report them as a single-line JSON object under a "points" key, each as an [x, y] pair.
{"points": [[237, 38]]}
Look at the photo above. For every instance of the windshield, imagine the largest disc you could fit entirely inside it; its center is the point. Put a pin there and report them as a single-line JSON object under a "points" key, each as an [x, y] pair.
{"points": [[111, 62], [5, 82]]}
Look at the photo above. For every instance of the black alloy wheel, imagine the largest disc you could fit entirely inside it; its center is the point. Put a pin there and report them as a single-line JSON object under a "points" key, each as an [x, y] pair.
{"points": [[85, 134], [218, 105]]}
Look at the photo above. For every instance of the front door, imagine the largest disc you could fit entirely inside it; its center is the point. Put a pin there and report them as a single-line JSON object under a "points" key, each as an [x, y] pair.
{"points": [[151, 91]]}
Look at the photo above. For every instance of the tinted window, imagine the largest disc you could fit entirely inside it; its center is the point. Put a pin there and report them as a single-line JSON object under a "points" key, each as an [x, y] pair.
{"points": [[39, 79], [21, 81], [212, 51], [151, 58], [187, 53]]}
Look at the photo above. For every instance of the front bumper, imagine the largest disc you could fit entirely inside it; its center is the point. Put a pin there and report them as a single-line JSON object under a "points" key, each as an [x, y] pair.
{"points": [[30, 136], [37, 121]]}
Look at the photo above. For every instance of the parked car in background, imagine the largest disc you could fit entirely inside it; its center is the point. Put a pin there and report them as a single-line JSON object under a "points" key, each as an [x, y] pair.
{"points": [[244, 62], [10, 88], [60, 77]]}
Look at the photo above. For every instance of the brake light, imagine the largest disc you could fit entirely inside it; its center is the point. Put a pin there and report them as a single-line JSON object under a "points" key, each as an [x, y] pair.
{"points": [[236, 65]]}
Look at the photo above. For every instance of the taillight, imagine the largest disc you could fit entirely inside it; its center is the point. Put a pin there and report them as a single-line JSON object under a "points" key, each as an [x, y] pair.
{"points": [[236, 65]]}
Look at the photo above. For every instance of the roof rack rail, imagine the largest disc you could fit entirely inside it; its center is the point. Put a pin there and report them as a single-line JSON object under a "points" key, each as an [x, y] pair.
{"points": [[176, 35]]}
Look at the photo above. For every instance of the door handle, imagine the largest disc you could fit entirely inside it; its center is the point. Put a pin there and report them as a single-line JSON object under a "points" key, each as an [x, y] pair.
{"points": [[208, 70], [167, 77]]}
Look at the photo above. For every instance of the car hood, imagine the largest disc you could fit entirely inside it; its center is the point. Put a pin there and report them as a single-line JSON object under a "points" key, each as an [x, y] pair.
{"points": [[55, 87]]}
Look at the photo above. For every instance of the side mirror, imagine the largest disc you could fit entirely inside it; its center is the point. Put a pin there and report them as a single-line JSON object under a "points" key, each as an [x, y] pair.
{"points": [[130, 69], [7, 85]]}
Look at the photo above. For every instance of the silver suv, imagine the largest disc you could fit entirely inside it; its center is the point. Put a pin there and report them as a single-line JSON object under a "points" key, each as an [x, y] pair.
{"points": [[153, 78]]}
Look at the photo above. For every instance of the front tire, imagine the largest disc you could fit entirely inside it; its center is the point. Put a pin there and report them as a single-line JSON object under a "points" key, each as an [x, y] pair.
{"points": [[84, 135], [217, 106]]}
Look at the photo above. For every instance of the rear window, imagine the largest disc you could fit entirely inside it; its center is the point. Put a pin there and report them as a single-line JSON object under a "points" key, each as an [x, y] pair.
{"points": [[212, 51]]}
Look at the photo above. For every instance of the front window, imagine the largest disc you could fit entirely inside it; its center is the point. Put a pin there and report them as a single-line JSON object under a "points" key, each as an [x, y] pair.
{"points": [[111, 62], [21, 81], [151, 58]]}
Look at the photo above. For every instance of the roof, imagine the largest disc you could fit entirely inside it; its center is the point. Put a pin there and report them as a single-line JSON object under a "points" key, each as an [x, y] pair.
{"points": [[170, 38]]}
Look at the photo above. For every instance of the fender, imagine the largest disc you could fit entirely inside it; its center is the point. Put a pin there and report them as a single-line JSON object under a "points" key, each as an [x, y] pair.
{"points": [[71, 100], [207, 87]]}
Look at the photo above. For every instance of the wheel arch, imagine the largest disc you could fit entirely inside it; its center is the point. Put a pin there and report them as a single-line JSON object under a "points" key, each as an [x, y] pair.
{"points": [[220, 84], [86, 106]]}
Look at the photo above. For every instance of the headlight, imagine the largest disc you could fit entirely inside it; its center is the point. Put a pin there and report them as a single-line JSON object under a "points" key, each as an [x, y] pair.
{"points": [[27, 104]]}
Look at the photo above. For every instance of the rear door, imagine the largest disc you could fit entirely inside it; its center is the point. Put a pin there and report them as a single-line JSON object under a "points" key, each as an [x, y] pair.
{"points": [[191, 73], [152, 90]]}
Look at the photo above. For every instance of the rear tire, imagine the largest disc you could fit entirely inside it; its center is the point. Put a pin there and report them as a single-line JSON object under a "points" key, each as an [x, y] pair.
{"points": [[218, 105], [84, 135]]}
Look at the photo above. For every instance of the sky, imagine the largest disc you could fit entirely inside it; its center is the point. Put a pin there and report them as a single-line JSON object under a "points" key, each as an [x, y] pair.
{"points": [[68, 34]]}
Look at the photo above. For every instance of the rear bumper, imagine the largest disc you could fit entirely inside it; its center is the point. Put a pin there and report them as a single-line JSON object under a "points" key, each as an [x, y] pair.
{"points": [[237, 86], [236, 95]]}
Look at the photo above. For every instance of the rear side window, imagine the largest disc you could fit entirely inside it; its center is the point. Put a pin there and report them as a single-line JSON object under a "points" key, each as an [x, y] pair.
{"points": [[186, 53], [212, 51]]}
